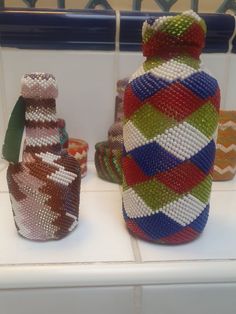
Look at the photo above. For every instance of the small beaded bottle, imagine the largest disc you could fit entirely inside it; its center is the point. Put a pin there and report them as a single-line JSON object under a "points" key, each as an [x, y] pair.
{"points": [[108, 153], [45, 186], [171, 110]]}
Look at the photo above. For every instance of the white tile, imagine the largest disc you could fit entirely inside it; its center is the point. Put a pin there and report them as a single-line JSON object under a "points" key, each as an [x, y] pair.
{"points": [[217, 241], [71, 300], [224, 185], [2, 126], [217, 65], [100, 237], [2, 103], [93, 183], [3, 181], [185, 299], [231, 90], [86, 82], [129, 63], [3, 165]]}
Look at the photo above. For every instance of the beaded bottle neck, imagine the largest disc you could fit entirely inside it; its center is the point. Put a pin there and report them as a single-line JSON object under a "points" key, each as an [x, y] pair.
{"points": [[39, 92], [174, 36]]}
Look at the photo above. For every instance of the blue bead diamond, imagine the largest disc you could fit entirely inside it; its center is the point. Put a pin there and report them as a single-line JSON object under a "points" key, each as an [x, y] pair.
{"points": [[147, 85], [152, 158], [158, 225], [201, 84], [199, 223], [204, 159]]}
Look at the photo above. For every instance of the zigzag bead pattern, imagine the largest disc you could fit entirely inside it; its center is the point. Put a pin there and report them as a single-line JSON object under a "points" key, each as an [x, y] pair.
{"points": [[45, 187], [225, 161], [79, 150], [39, 85], [171, 109], [108, 162]]}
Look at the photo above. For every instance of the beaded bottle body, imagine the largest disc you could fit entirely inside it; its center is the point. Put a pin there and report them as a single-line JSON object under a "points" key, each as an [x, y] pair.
{"points": [[171, 110], [44, 188]]}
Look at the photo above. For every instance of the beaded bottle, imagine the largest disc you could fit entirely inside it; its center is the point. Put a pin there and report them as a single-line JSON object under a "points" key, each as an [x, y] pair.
{"points": [[171, 110], [45, 186], [108, 153]]}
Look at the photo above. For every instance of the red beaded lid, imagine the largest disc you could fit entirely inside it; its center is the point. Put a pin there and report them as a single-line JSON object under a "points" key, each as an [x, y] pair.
{"points": [[169, 36]]}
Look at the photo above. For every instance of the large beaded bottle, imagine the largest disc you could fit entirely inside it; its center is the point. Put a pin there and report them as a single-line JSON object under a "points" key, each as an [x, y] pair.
{"points": [[171, 111], [45, 186]]}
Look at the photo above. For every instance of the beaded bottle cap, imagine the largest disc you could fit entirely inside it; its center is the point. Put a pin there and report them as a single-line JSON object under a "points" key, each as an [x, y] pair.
{"points": [[45, 187], [171, 110], [39, 85]]}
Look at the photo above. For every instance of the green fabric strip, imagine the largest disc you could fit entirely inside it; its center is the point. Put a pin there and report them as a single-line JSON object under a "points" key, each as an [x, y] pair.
{"points": [[14, 133]]}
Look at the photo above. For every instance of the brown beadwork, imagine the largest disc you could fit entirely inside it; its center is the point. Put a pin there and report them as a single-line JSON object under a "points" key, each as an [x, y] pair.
{"points": [[45, 187]]}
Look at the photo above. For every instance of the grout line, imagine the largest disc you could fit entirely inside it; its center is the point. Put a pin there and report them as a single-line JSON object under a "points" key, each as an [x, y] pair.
{"points": [[135, 248], [117, 35], [4, 120], [117, 50], [137, 296], [102, 263], [232, 37], [134, 243]]}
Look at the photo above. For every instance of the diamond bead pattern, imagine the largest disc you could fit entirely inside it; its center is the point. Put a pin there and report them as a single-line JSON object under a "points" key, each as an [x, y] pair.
{"points": [[171, 109]]}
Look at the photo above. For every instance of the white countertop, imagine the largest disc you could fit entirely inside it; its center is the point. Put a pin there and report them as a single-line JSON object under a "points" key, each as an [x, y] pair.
{"points": [[102, 252]]}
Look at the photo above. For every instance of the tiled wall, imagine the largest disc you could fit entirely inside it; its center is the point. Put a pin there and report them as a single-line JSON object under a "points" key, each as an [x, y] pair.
{"points": [[87, 69], [102, 300], [172, 299], [146, 5], [87, 54]]}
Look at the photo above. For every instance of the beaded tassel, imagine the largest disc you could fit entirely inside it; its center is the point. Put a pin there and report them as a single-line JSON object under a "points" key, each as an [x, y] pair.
{"points": [[44, 188], [171, 110]]}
